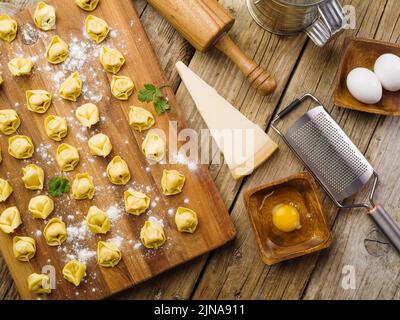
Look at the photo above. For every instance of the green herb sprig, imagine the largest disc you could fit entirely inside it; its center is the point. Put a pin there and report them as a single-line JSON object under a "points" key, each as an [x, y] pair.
{"points": [[58, 186], [152, 93]]}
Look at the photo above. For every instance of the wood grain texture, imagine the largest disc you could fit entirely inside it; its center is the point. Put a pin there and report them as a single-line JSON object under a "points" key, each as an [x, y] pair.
{"points": [[278, 55], [226, 275], [143, 67], [313, 277]]}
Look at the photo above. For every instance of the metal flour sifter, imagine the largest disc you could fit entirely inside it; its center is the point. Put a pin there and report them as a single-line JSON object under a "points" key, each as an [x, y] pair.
{"points": [[335, 162]]}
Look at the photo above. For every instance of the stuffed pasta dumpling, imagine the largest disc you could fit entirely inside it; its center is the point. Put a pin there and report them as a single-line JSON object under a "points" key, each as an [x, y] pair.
{"points": [[186, 220], [9, 121], [55, 232], [108, 254], [20, 147], [118, 171], [152, 235], [71, 88], [172, 182], [153, 147], [24, 248], [97, 220], [45, 16], [88, 115], [38, 101], [33, 177], [41, 207], [97, 29], [83, 187], [10, 220], [5, 190], [140, 119], [74, 271], [57, 51], [39, 283], [87, 5], [56, 127], [122, 87], [8, 28], [100, 145], [112, 60], [136, 202], [1, 80], [67, 157], [20, 66]]}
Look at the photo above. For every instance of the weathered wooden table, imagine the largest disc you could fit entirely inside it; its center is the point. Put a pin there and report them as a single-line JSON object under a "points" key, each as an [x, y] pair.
{"points": [[236, 271]]}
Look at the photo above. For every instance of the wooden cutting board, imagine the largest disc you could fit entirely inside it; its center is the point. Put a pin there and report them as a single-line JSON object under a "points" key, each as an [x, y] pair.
{"points": [[200, 194]]}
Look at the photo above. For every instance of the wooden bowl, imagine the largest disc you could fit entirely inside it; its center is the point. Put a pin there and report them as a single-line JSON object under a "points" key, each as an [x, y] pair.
{"points": [[363, 53], [276, 246]]}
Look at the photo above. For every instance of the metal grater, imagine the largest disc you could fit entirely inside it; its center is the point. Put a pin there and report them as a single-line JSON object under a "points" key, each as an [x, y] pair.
{"points": [[329, 154], [333, 159]]}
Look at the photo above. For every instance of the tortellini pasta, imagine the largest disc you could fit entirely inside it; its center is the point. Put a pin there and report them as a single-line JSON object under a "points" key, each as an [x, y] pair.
{"points": [[45, 16], [112, 60], [33, 177], [9, 121], [97, 220], [88, 115], [83, 187], [87, 5], [24, 248], [38, 101], [10, 220], [1, 80], [55, 232], [57, 51], [5, 190], [20, 66], [153, 147], [56, 127], [67, 157], [97, 29], [118, 171], [41, 207], [136, 202], [140, 119], [122, 87], [172, 182], [108, 254], [8, 28], [21, 147], [186, 220], [100, 145], [74, 271], [39, 283], [152, 235], [71, 88]]}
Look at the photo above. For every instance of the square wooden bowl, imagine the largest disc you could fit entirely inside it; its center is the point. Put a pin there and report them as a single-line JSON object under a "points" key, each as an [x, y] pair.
{"points": [[276, 246], [363, 53]]}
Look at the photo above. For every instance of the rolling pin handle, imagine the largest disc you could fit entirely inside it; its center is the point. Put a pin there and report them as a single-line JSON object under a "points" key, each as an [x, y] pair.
{"points": [[259, 78]]}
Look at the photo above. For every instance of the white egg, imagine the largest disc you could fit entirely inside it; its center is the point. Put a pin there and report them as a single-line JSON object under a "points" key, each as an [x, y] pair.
{"points": [[387, 69], [364, 85]]}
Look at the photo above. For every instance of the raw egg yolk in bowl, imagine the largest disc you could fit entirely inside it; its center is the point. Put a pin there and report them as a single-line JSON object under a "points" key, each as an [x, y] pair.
{"points": [[286, 218]]}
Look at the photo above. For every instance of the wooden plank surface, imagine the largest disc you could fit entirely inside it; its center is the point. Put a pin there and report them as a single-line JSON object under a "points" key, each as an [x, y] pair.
{"points": [[241, 273], [138, 264]]}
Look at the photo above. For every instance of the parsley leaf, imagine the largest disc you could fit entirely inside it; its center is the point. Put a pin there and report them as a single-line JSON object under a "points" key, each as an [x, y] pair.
{"points": [[151, 93], [58, 186]]}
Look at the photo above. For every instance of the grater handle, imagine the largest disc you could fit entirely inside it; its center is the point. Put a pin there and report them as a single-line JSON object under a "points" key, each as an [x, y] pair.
{"points": [[387, 225], [290, 108]]}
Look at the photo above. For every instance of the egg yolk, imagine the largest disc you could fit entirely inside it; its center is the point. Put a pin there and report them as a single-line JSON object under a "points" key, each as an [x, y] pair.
{"points": [[286, 218]]}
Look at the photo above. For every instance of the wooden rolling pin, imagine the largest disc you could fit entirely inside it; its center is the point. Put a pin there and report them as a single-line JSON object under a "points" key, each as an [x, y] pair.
{"points": [[205, 23]]}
